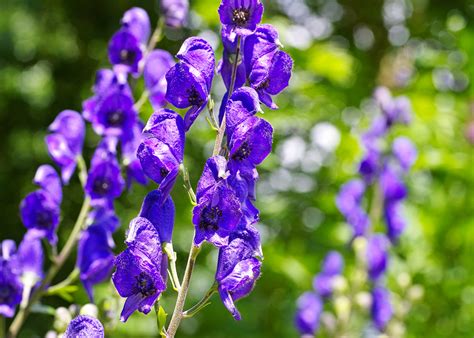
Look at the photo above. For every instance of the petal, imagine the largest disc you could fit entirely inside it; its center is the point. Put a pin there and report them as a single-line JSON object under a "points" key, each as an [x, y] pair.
{"points": [[47, 178], [137, 22], [198, 53], [185, 86], [160, 212]]}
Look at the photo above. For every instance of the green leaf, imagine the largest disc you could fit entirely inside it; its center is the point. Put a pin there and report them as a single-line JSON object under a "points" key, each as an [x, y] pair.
{"points": [[43, 309], [161, 320]]}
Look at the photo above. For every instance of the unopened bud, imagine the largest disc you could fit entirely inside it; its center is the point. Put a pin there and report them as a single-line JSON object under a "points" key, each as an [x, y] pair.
{"points": [[404, 280], [328, 321], [342, 306], [62, 317], [339, 284], [360, 246], [363, 299], [415, 292], [90, 310]]}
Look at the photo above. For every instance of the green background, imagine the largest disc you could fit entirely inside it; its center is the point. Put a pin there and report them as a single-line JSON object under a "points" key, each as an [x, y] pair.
{"points": [[50, 50]]}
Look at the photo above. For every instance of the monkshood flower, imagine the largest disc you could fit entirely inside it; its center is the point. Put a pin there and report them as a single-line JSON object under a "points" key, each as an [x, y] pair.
{"points": [[130, 142], [160, 212], [84, 326], [157, 64], [377, 256], [308, 313], [40, 209], [349, 201], [95, 257], [11, 288], [162, 150], [140, 274], [125, 49], [394, 220], [105, 217], [395, 110], [369, 167], [175, 12], [65, 141], [189, 81], [114, 114], [106, 82], [332, 266], [268, 69], [30, 257], [381, 309], [241, 16], [405, 152], [226, 65], [237, 271], [137, 22], [104, 182], [219, 210], [392, 185]]}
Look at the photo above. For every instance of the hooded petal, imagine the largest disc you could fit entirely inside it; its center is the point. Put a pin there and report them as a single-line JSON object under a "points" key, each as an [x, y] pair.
{"points": [[137, 22], [175, 12], [160, 211], [47, 178], [198, 53], [124, 49]]}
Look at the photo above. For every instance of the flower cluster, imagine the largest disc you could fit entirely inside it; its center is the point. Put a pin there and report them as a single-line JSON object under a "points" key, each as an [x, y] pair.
{"points": [[310, 304], [382, 169], [382, 172]]}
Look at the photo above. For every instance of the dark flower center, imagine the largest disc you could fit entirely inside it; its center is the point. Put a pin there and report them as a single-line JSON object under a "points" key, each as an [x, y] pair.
{"points": [[240, 16], [115, 118], [210, 218], [164, 172], [243, 152], [193, 97], [101, 186], [145, 284], [44, 219], [127, 57], [6, 292], [263, 85]]}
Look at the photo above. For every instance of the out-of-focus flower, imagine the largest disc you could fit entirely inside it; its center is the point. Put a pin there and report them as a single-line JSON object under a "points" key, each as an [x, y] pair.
{"points": [[377, 256], [125, 49], [84, 326], [308, 313], [10, 283], [137, 22], [332, 267], [404, 151], [381, 309], [131, 140], [65, 141], [175, 12], [349, 201], [157, 64]]}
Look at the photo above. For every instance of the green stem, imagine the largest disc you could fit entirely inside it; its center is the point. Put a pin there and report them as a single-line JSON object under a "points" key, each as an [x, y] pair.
{"points": [[376, 205], [73, 276], [187, 183], [221, 131], [23, 313], [178, 309], [168, 249], [202, 303], [141, 101], [156, 36]]}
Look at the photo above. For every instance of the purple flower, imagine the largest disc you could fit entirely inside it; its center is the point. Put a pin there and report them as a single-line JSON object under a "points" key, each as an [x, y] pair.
{"points": [[40, 209], [217, 214], [241, 16], [392, 186], [114, 114], [309, 309], [104, 182], [65, 141], [394, 219], [131, 140], [251, 141], [381, 309], [350, 196], [189, 81], [226, 65], [140, 274], [268, 69], [30, 258], [11, 288], [157, 64], [107, 81], [137, 22], [395, 110], [237, 272], [405, 152], [162, 151], [126, 50], [95, 257], [160, 212], [242, 104], [84, 326], [175, 12], [377, 256], [369, 167], [332, 266]]}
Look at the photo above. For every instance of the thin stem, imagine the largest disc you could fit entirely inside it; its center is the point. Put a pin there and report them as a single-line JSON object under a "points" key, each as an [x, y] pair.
{"points": [[178, 309], [81, 163], [202, 303], [221, 131], [376, 205], [212, 118], [187, 183], [168, 249], [141, 101], [73, 276], [23, 313], [156, 36]]}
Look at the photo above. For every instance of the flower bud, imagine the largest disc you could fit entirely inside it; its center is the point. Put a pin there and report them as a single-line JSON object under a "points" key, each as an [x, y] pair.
{"points": [[339, 284], [404, 280], [360, 247], [343, 308], [90, 310], [62, 317], [363, 299], [416, 292]]}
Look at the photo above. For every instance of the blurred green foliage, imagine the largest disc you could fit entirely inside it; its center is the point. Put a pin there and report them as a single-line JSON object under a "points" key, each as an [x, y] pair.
{"points": [[50, 50]]}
